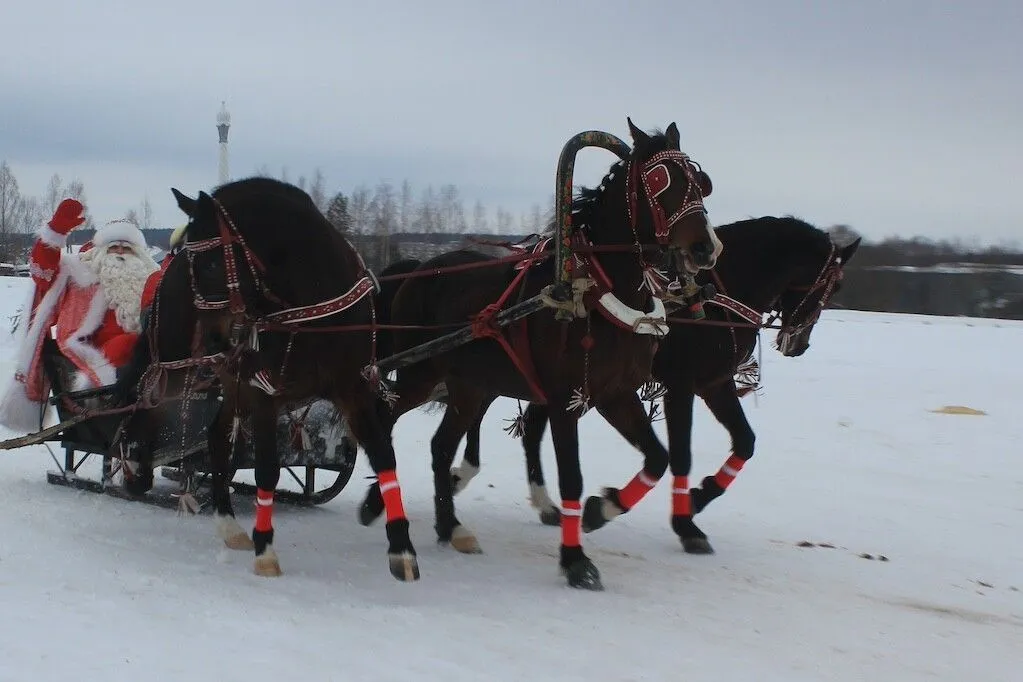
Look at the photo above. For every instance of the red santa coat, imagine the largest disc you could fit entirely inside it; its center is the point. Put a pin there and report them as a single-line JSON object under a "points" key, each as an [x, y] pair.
{"points": [[66, 297]]}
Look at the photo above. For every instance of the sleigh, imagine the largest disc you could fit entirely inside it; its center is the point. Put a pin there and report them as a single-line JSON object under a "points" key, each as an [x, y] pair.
{"points": [[316, 452]]}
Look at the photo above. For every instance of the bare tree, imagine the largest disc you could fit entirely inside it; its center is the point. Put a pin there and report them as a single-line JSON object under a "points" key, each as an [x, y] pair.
{"points": [[479, 218], [384, 207], [54, 194], [452, 214], [504, 221], [318, 191], [535, 221], [142, 217], [406, 206], [427, 217], [32, 214], [10, 210], [358, 210]]}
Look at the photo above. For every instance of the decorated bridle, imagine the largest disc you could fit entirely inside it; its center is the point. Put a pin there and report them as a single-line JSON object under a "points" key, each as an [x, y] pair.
{"points": [[826, 281], [228, 236], [654, 177]]}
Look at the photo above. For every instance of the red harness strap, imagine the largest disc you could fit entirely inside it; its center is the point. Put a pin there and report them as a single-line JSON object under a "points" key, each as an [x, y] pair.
{"points": [[518, 351]]}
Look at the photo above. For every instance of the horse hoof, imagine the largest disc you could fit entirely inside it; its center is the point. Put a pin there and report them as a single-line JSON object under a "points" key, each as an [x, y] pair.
{"points": [[464, 541], [371, 509], [593, 514], [241, 541], [694, 540], [233, 535], [551, 517], [583, 575], [267, 564], [697, 545], [404, 566]]}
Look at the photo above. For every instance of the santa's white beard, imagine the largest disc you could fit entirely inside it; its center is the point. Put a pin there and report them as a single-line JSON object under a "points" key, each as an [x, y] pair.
{"points": [[122, 278]]}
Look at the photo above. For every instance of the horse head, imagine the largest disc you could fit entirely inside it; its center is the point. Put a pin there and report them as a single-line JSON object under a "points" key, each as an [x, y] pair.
{"points": [[810, 288], [666, 192], [226, 274]]}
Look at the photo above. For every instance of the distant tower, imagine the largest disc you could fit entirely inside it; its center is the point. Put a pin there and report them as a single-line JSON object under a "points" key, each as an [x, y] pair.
{"points": [[223, 124]]}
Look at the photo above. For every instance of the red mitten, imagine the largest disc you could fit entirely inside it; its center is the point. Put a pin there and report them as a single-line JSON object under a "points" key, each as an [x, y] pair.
{"points": [[67, 217]]}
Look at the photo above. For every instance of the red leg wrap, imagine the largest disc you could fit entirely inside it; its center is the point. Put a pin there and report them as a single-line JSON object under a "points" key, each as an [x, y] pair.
{"points": [[681, 503], [728, 471], [391, 492], [571, 522], [264, 510], [635, 490]]}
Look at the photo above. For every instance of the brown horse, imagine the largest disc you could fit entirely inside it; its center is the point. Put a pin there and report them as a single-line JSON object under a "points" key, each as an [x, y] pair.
{"points": [[273, 283], [648, 206], [780, 264]]}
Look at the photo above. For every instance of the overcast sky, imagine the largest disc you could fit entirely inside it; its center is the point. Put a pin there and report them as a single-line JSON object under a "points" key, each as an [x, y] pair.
{"points": [[892, 116]]}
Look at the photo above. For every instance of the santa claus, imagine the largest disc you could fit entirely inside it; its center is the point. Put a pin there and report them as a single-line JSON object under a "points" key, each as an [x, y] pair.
{"points": [[89, 301]]}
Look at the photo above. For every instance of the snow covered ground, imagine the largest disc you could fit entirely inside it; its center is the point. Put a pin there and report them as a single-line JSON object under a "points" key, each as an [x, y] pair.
{"points": [[849, 454]]}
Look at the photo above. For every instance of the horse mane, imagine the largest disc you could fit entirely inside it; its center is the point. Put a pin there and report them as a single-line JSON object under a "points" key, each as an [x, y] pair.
{"points": [[778, 239], [259, 186], [588, 199], [261, 194], [785, 228]]}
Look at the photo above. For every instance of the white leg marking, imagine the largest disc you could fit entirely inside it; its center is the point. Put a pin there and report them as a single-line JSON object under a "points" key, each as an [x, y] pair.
{"points": [[539, 499], [465, 473], [267, 564], [231, 532], [463, 540], [609, 509]]}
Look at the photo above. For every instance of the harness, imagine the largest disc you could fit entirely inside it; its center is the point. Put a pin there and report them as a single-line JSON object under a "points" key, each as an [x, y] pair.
{"points": [[827, 279], [652, 175], [288, 318]]}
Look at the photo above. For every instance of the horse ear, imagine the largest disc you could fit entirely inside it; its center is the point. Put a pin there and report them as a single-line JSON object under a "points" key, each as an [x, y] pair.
{"points": [[638, 136], [205, 209], [703, 180], [673, 136], [847, 251], [186, 204]]}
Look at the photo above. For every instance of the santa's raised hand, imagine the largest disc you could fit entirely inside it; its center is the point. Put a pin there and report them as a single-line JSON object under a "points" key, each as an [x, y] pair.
{"points": [[68, 216]]}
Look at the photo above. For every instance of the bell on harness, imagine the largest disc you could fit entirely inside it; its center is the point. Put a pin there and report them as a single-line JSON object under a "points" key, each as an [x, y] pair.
{"points": [[694, 295]]}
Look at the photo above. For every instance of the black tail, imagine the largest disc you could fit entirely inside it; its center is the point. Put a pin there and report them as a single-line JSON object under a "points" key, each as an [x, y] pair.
{"points": [[384, 299]]}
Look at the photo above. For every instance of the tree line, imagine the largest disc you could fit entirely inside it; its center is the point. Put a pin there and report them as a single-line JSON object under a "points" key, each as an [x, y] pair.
{"points": [[23, 213], [386, 209], [383, 209], [365, 210]]}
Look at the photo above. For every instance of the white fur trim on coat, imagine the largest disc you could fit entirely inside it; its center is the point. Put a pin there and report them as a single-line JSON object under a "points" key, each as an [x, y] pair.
{"points": [[17, 412], [91, 356], [47, 235]]}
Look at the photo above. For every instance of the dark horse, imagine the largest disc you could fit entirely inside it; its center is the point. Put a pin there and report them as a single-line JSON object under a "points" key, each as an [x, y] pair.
{"points": [[779, 264], [288, 300], [598, 358]]}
